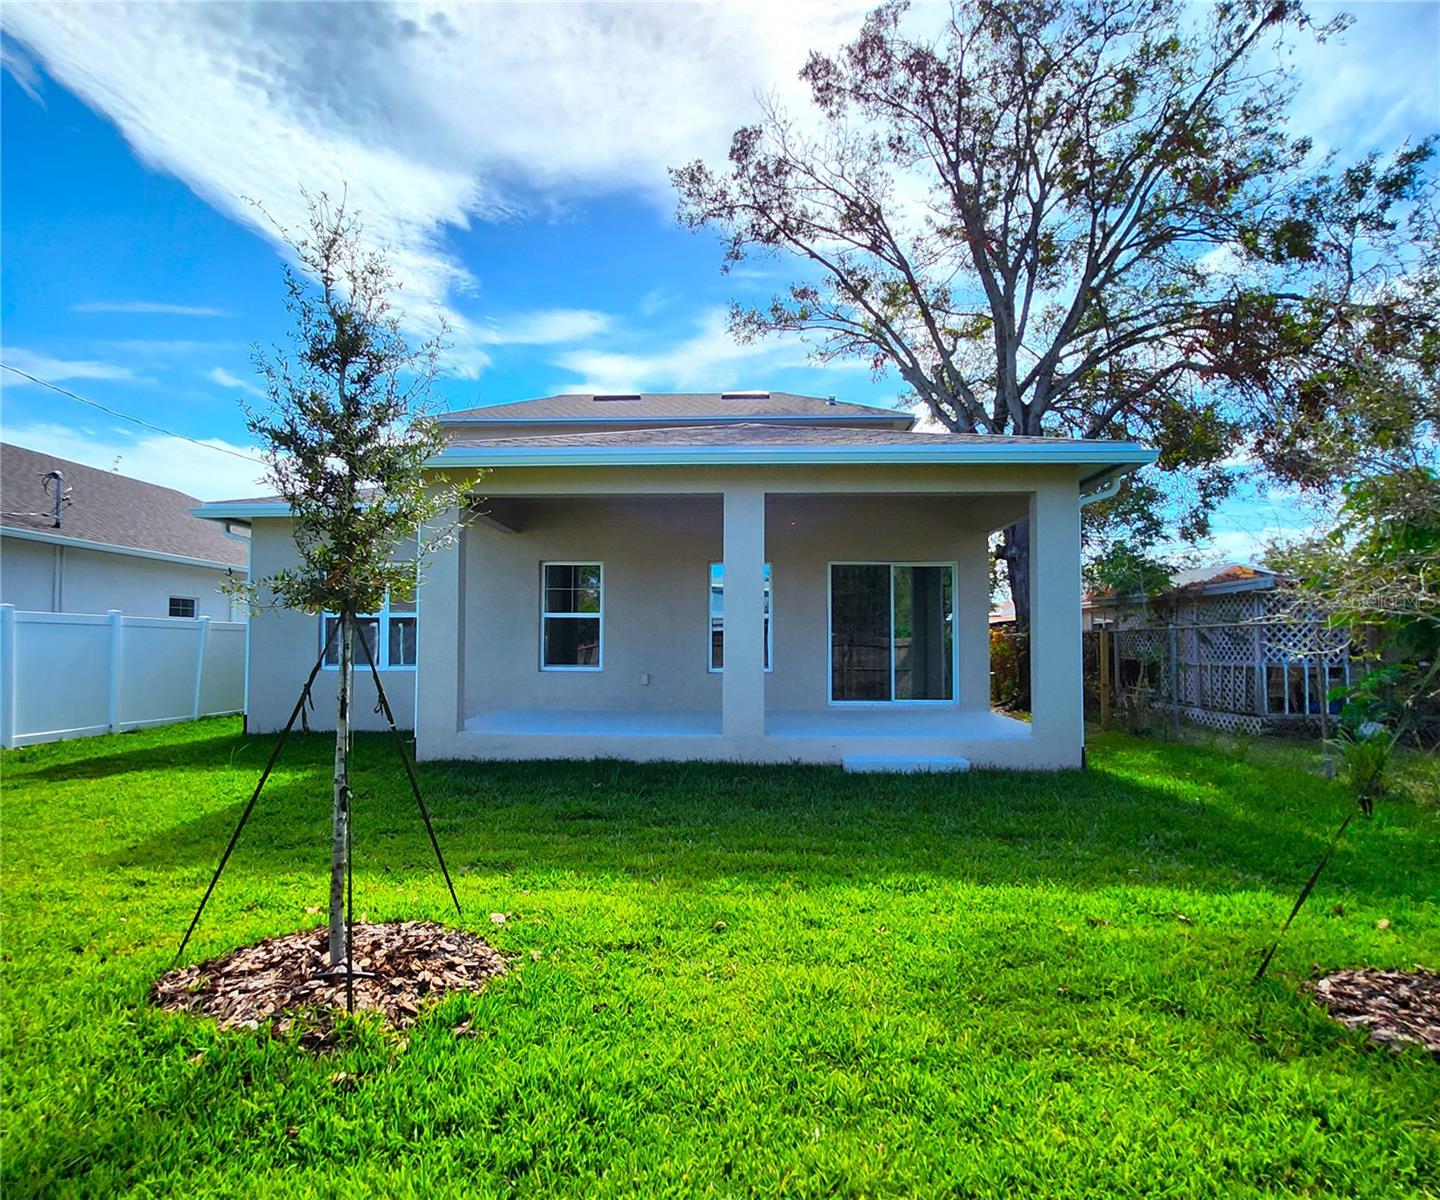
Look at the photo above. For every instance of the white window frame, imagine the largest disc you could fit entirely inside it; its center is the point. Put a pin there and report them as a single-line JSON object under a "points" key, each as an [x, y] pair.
{"points": [[382, 638], [194, 604], [710, 666], [954, 700], [598, 615]]}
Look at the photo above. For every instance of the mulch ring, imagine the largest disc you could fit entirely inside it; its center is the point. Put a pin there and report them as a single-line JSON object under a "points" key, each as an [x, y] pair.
{"points": [[1394, 1007], [281, 978]]}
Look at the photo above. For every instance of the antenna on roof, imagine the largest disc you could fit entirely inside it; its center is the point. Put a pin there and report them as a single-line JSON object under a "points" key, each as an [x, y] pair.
{"points": [[61, 493]]}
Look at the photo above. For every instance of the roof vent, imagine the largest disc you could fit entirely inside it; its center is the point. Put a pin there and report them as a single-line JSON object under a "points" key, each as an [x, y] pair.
{"points": [[830, 400], [744, 395], [617, 396]]}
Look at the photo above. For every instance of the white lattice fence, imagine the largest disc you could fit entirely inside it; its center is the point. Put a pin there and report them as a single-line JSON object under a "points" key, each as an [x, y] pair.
{"points": [[1242, 661]]}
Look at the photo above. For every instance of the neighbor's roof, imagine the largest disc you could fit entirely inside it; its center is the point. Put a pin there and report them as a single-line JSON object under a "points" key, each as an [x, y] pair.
{"points": [[1213, 580], [107, 509], [1218, 575], [686, 408]]}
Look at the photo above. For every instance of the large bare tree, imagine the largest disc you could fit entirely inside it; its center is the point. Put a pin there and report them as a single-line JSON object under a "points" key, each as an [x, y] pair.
{"points": [[1077, 217]]}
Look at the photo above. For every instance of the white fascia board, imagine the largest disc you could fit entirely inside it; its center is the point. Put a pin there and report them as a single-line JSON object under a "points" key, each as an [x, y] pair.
{"points": [[38, 535], [1109, 457], [239, 510]]}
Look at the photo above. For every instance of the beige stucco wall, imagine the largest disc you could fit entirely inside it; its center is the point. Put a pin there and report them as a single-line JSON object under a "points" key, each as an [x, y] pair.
{"points": [[656, 531], [95, 581], [807, 533], [923, 513], [656, 554], [284, 645]]}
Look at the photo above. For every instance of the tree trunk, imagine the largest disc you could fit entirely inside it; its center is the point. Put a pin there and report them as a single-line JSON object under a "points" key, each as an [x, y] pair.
{"points": [[340, 814], [1015, 550]]}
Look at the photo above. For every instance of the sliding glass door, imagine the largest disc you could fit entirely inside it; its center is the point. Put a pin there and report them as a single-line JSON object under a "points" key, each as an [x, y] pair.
{"points": [[892, 632]]}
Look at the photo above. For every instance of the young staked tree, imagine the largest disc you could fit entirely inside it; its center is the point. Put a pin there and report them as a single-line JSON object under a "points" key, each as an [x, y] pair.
{"points": [[346, 435], [1068, 217]]}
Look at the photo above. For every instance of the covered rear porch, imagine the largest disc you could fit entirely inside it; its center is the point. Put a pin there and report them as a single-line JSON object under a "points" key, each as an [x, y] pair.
{"points": [[781, 617]]}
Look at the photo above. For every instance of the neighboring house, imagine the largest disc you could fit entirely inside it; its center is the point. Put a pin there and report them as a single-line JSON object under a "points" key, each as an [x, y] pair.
{"points": [[757, 576], [77, 540], [1002, 613], [1231, 644], [1202, 588]]}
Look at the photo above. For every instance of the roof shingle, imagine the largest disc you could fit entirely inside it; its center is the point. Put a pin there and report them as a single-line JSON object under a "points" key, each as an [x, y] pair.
{"points": [[672, 406], [110, 508], [759, 433]]}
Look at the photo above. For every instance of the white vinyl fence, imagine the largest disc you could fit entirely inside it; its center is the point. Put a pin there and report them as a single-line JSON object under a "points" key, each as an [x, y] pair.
{"points": [[65, 675]]}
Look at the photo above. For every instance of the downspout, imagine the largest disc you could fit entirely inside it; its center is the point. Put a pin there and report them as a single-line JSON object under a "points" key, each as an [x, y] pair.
{"points": [[249, 540], [1108, 485], [57, 580]]}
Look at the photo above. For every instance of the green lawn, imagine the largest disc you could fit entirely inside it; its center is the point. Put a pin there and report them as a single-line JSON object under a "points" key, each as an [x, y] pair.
{"points": [[727, 981]]}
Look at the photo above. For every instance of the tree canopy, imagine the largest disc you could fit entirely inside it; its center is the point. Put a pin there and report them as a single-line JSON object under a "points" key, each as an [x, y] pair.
{"points": [[345, 436], [347, 428], [1075, 217]]}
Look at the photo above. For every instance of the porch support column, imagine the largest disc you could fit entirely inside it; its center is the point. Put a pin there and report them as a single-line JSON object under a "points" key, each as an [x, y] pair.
{"points": [[440, 657], [1056, 704], [972, 615], [743, 682]]}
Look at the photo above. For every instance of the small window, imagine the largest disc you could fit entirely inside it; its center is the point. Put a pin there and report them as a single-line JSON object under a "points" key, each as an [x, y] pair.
{"points": [[392, 634], [402, 631], [182, 606], [717, 619], [572, 610]]}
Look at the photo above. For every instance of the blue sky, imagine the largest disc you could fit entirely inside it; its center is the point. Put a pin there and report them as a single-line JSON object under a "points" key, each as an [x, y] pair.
{"points": [[513, 157]]}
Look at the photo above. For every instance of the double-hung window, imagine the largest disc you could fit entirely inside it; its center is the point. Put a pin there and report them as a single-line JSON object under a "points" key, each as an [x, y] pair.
{"points": [[717, 619], [892, 633], [392, 633], [572, 616]]}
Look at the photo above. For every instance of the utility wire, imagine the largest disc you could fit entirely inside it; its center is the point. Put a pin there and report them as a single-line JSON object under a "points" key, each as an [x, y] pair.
{"points": [[127, 417]]}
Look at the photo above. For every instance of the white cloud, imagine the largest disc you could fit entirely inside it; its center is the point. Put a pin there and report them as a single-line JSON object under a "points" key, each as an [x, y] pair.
{"points": [[155, 458], [708, 360], [546, 327], [58, 370], [22, 70], [222, 377], [469, 111], [146, 307], [1374, 85], [657, 299]]}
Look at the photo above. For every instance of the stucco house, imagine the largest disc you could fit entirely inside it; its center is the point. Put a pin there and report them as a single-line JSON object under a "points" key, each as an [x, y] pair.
{"points": [[754, 576], [74, 539]]}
